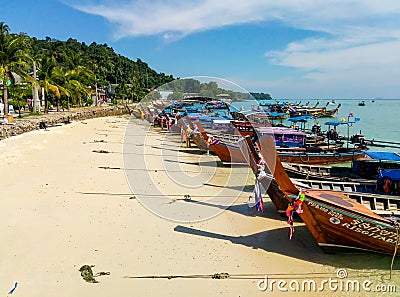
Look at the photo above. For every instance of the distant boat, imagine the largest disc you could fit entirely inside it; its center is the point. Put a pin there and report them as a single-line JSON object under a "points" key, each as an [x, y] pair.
{"points": [[361, 103], [329, 113]]}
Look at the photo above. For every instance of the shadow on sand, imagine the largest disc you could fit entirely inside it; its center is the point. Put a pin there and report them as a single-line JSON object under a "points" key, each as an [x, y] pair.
{"points": [[245, 210], [302, 246], [194, 151]]}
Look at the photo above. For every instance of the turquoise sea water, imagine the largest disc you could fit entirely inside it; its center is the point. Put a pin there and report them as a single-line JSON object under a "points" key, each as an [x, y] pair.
{"points": [[379, 120]]}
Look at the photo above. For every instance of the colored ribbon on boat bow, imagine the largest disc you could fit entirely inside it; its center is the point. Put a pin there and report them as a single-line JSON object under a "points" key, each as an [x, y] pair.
{"points": [[187, 134], [294, 206], [258, 188], [258, 197]]}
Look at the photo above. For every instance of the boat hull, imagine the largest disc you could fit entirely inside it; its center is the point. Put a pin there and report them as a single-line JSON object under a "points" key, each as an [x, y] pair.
{"points": [[340, 223], [323, 158], [199, 140], [337, 220], [228, 153], [232, 154]]}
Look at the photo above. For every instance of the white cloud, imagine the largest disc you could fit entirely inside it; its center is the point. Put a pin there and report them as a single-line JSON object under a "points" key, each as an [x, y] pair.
{"points": [[361, 59], [355, 40], [176, 17], [182, 17]]}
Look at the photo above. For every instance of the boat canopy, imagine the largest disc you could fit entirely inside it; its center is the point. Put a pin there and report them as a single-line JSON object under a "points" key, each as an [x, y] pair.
{"points": [[221, 121], [280, 131], [301, 119], [337, 123], [393, 174], [389, 156], [276, 114]]}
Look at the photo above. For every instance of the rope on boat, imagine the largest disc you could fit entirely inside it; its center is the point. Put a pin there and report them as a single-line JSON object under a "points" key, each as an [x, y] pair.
{"points": [[301, 158], [186, 197], [339, 157], [222, 275], [395, 249], [167, 170], [225, 275]]}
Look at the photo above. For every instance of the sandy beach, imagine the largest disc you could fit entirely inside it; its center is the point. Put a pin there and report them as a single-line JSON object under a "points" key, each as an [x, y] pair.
{"points": [[64, 205]]}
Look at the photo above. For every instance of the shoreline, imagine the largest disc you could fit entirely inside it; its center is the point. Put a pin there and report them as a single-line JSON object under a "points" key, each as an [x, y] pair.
{"points": [[31, 123], [61, 209]]}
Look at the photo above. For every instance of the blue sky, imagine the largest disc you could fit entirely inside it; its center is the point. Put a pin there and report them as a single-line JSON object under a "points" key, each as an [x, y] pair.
{"points": [[289, 48]]}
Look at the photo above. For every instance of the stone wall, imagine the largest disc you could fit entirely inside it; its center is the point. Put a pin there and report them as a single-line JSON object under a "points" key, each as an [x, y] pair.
{"points": [[33, 123]]}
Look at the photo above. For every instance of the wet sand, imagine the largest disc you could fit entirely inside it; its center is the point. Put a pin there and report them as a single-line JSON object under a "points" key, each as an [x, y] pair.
{"points": [[62, 209]]}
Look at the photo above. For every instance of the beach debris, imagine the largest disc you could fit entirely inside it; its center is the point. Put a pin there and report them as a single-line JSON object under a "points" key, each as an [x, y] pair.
{"points": [[95, 141], [101, 151], [87, 273], [42, 125], [185, 198], [108, 167], [13, 289]]}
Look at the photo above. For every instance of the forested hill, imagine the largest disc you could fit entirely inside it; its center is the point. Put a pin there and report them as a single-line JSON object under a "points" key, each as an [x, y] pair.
{"points": [[72, 73], [109, 67]]}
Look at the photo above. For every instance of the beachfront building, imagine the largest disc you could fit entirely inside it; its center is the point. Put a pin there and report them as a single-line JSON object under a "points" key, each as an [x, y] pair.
{"points": [[165, 93]]}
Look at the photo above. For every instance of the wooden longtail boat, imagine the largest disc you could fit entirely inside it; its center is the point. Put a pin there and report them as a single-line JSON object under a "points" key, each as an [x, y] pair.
{"points": [[262, 117], [289, 143], [278, 193], [295, 112], [228, 152], [363, 186], [186, 125], [337, 220], [329, 113], [324, 157], [284, 136], [365, 175], [320, 172]]}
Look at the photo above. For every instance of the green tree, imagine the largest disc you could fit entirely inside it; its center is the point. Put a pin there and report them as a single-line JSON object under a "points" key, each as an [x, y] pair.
{"points": [[18, 93], [12, 59], [176, 96], [60, 69]]}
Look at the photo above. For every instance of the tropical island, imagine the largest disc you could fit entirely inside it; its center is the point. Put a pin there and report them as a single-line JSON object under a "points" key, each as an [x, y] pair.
{"points": [[68, 73], [41, 75]]}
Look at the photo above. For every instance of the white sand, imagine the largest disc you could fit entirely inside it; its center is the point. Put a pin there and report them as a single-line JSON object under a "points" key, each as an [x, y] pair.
{"points": [[59, 211]]}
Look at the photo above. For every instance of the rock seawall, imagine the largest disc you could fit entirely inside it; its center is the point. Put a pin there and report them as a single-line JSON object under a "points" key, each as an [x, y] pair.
{"points": [[53, 118]]}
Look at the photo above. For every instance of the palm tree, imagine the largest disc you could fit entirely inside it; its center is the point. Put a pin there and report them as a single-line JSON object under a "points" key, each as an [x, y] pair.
{"points": [[47, 75], [35, 93], [75, 74], [69, 84], [12, 59]]}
